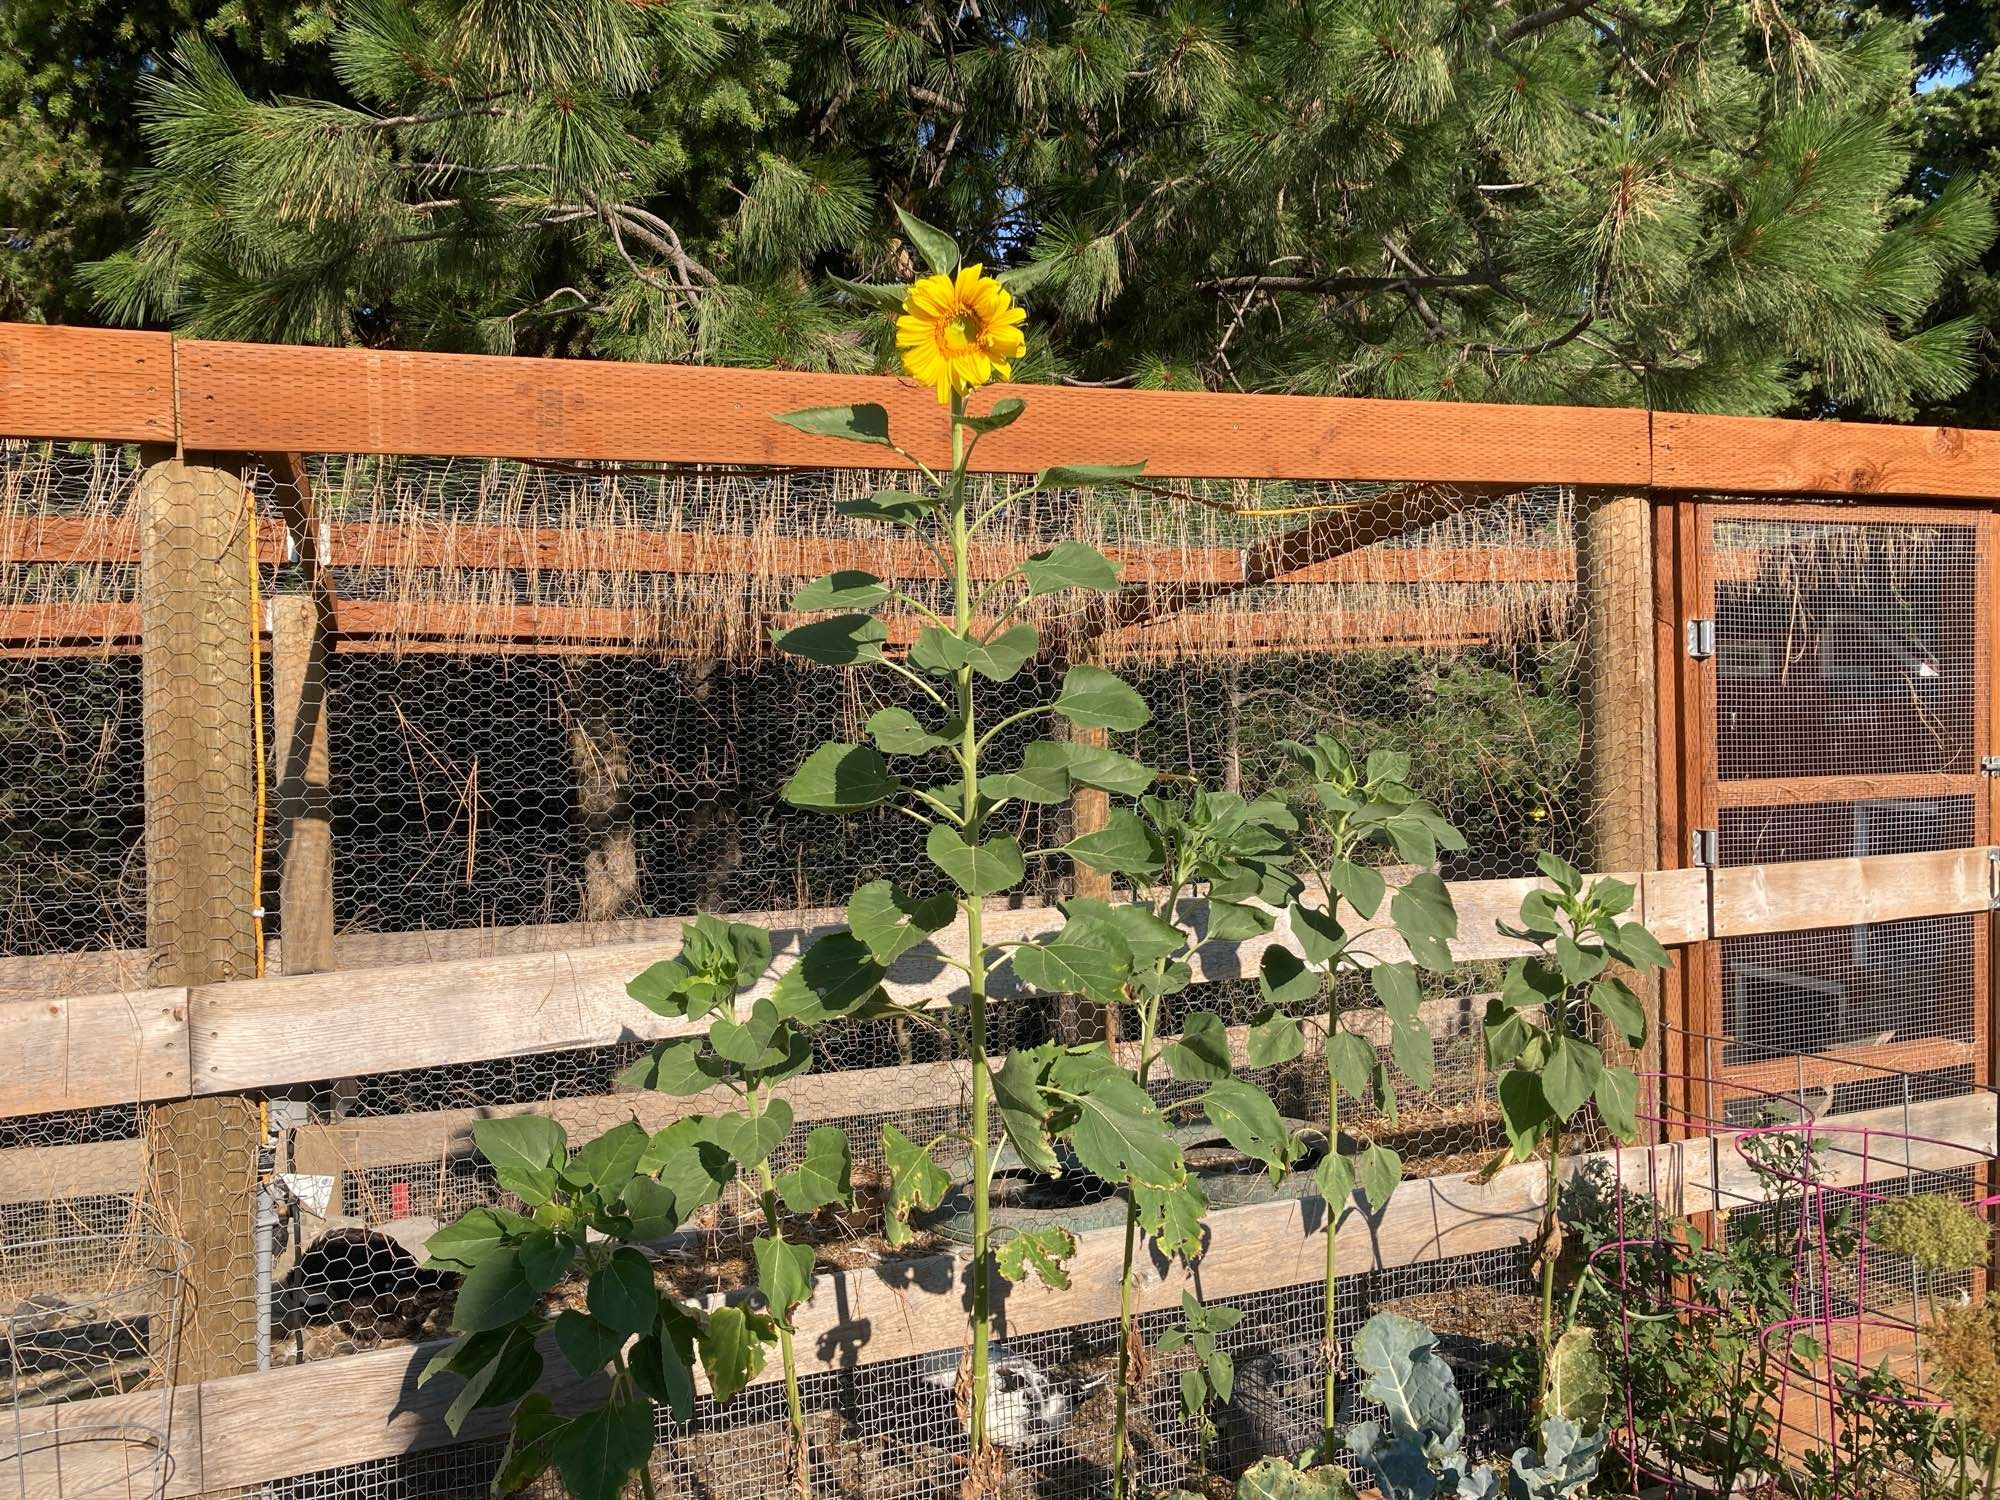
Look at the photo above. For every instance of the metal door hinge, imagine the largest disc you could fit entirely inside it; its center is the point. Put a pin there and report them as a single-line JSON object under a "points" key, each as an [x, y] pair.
{"points": [[1701, 639], [1989, 765], [1703, 848]]}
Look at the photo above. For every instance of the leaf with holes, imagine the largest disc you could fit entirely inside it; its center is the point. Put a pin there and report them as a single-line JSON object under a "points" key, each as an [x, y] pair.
{"points": [[1039, 1253], [1024, 1109], [915, 1181]]}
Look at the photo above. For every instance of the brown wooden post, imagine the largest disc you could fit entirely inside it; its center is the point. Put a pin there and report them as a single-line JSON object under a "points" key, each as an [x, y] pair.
{"points": [[299, 652], [1079, 1020], [1614, 573], [199, 676]]}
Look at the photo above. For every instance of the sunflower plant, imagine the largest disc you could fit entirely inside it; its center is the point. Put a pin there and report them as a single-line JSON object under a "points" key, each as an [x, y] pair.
{"points": [[936, 762]]}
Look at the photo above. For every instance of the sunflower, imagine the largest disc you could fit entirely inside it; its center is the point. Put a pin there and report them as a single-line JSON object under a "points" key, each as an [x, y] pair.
{"points": [[956, 333]]}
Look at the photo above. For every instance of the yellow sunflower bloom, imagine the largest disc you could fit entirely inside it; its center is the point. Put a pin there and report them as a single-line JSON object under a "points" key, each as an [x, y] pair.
{"points": [[959, 332]]}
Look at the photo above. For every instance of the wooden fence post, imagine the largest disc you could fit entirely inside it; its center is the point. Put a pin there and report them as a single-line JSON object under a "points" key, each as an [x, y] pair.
{"points": [[1614, 579], [199, 675]]}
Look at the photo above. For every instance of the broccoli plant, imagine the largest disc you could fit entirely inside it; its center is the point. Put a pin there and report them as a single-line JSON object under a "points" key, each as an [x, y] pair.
{"points": [[1350, 810]]}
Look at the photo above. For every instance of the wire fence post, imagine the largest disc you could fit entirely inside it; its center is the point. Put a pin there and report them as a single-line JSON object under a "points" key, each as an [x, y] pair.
{"points": [[199, 680]]}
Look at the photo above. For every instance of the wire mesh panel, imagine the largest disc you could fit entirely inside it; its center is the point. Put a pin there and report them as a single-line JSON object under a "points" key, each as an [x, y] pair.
{"points": [[1848, 718]]}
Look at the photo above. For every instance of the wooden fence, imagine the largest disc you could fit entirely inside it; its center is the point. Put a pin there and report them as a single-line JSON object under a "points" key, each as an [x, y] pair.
{"points": [[91, 1030]]}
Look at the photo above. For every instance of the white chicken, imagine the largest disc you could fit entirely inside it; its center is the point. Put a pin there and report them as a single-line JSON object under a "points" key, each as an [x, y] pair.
{"points": [[1025, 1405]]}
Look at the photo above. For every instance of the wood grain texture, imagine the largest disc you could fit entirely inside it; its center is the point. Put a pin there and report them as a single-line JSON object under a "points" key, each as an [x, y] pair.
{"points": [[94, 383], [1797, 790], [88, 1169], [1770, 456], [1818, 893], [262, 1427], [255, 397], [81, 1051]]}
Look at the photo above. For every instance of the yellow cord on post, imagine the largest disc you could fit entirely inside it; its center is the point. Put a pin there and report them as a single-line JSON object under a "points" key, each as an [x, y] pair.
{"points": [[257, 727]]}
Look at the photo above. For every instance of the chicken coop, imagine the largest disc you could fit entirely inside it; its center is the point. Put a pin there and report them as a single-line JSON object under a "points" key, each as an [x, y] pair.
{"points": [[369, 719]]}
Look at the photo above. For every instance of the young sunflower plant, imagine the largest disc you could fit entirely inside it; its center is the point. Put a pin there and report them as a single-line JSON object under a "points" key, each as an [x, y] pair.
{"points": [[934, 761]]}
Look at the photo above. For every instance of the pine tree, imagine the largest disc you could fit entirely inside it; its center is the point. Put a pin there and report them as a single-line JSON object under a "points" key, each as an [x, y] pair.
{"points": [[1705, 207]]}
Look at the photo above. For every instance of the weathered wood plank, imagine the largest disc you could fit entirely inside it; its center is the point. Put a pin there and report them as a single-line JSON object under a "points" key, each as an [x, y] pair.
{"points": [[1819, 893], [80, 1051]]}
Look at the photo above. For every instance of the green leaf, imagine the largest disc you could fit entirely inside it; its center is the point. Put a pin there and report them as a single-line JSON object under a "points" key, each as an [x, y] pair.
{"points": [[494, 1293], [838, 976], [546, 1257], [891, 923], [586, 1343], [1233, 921], [849, 588], [1222, 1376], [1617, 1095], [1505, 1033], [1422, 911], [1072, 476], [1352, 1059], [682, 1068], [1579, 965], [1410, 1043], [654, 1211], [940, 652], [1321, 938], [731, 1351], [1284, 979], [1250, 1122], [897, 731], [750, 1140], [1202, 1053], [1579, 1384], [1570, 1076], [1000, 658], [784, 1274], [1118, 1132], [471, 1237], [1378, 1171], [1334, 1176], [1125, 845], [1005, 413], [621, 1294], [1524, 1112], [1194, 1391], [662, 1363], [863, 423], [939, 250], [534, 1186], [1398, 988], [1531, 984], [1044, 786], [1387, 765], [835, 640], [1274, 1038], [1621, 1007], [825, 1174], [1091, 765], [1147, 936], [598, 1452], [1561, 871], [1024, 1110], [607, 1163], [1070, 565], [1361, 886], [1382, 1092], [896, 507], [1088, 957], [689, 1164], [1638, 947], [883, 298], [526, 1141], [1039, 1253], [1172, 1218], [763, 1046], [986, 870], [1092, 698], [915, 1181], [527, 1454], [842, 778]]}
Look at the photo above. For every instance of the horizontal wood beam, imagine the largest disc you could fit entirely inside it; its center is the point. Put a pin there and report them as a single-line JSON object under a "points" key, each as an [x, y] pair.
{"points": [[89, 383], [82, 1051], [247, 1430], [1810, 894], [1770, 456], [1788, 791], [256, 397]]}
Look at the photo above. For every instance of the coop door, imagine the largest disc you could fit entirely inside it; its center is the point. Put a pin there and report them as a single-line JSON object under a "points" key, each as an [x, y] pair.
{"points": [[1840, 707]]}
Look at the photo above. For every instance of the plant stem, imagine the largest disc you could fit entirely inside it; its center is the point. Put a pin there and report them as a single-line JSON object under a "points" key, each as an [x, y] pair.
{"points": [[793, 1405], [982, 1164], [1549, 1212], [1148, 1018], [1330, 1335], [1992, 1468]]}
